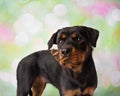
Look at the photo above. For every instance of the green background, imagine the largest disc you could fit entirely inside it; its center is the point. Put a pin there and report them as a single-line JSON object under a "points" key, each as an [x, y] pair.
{"points": [[26, 26]]}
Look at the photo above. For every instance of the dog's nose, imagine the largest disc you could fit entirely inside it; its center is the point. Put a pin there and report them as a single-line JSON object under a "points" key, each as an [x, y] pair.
{"points": [[66, 52]]}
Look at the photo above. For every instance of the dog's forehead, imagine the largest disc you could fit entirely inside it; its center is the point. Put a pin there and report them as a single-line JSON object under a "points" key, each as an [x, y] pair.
{"points": [[69, 31]]}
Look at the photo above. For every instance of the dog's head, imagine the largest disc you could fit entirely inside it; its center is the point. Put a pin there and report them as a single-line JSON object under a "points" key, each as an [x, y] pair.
{"points": [[74, 45]]}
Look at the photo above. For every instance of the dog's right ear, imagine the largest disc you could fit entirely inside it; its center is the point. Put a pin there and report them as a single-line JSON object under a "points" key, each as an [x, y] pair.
{"points": [[52, 40]]}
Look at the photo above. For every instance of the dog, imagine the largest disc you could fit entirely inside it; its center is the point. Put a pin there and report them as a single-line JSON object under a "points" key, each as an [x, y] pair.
{"points": [[70, 68]]}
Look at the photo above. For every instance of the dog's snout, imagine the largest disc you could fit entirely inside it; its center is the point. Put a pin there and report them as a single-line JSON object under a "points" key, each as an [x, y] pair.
{"points": [[66, 51]]}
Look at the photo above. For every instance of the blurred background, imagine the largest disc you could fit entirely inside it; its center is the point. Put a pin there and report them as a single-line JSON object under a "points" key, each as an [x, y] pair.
{"points": [[26, 26]]}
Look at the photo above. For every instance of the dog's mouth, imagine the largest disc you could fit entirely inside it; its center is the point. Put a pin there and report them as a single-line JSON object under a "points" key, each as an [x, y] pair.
{"points": [[72, 61], [73, 58]]}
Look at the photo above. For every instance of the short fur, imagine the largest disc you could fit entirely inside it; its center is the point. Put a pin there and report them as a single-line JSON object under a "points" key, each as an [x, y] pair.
{"points": [[70, 69]]}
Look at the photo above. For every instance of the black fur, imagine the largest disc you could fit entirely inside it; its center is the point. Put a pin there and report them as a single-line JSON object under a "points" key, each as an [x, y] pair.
{"points": [[44, 64]]}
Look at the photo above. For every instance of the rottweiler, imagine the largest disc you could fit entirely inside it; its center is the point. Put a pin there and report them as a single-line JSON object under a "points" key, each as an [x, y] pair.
{"points": [[70, 67]]}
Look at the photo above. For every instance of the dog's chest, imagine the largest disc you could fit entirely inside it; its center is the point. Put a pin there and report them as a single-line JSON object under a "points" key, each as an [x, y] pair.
{"points": [[80, 79]]}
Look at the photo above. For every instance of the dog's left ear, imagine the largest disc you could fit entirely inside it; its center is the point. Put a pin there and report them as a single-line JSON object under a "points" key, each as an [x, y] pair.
{"points": [[92, 35], [52, 40]]}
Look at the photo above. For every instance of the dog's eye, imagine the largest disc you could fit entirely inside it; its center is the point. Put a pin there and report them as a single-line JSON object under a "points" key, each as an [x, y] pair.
{"points": [[80, 39], [61, 42]]}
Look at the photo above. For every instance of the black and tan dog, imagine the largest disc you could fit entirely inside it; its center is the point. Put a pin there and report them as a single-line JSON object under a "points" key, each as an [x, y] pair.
{"points": [[70, 69]]}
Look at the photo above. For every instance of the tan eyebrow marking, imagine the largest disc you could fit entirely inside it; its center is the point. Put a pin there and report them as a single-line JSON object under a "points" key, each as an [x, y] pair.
{"points": [[74, 35], [63, 36]]}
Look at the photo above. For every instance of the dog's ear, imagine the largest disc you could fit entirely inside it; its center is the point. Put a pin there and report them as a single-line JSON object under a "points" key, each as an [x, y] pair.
{"points": [[92, 35], [52, 40]]}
